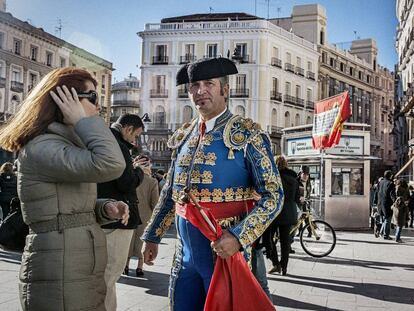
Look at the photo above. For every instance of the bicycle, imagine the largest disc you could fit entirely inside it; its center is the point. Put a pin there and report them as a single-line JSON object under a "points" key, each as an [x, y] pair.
{"points": [[320, 239]]}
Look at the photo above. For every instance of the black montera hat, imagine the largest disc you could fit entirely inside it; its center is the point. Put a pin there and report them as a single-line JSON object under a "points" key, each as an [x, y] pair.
{"points": [[204, 69]]}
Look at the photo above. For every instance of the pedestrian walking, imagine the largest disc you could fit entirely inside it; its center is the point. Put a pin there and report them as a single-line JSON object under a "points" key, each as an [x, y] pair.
{"points": [[411, 207], [8, 188], [400, 208], [386, 197]]}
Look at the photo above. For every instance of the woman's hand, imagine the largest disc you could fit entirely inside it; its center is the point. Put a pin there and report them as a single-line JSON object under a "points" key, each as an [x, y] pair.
{"points": [[117, 210], [69, 104]]}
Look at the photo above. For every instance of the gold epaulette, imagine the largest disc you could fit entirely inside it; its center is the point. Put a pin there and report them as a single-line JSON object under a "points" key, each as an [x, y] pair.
{"points": [[238, 132], [180, 135]]}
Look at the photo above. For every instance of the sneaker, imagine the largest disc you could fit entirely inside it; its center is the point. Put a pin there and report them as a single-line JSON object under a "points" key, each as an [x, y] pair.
{"points": [[139, 272], [387, 238], [399, 241], [274, 269]]}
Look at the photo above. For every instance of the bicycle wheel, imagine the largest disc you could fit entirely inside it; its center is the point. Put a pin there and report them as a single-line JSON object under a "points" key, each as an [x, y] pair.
{"points": [[322, 242]]}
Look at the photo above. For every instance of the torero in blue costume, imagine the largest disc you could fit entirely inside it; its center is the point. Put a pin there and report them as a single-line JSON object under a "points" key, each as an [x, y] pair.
{"points": [[222, 159]]}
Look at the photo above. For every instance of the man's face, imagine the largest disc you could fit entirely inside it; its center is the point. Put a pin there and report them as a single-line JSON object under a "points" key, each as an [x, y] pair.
{"points": [[131, 134], [208, 98], [305, 177]]}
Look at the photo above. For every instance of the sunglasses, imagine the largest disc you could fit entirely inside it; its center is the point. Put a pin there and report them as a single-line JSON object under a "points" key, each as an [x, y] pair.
{"points": [[92, 96]]}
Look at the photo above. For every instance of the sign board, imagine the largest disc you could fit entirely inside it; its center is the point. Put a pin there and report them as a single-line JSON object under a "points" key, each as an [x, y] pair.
{"points": [[348, 145]]}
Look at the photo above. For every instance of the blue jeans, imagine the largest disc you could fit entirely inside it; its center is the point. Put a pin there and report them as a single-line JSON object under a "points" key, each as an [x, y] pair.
{"points": [[385, 228], [259, 269], [398, 233]]}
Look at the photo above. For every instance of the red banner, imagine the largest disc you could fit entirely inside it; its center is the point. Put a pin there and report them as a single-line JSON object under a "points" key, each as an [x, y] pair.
{"points": [[330, 115]]}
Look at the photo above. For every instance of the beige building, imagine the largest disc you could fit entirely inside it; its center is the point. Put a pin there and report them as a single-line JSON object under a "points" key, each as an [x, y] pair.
{"points": [[28, 53], [125, 97], [371, 87], [277, 80]]}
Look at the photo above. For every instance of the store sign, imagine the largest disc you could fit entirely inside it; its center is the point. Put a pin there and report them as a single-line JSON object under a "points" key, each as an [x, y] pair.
{"points": [[348, 145]]}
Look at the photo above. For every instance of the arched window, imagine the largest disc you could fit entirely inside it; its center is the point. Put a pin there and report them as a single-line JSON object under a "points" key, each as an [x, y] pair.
{"points": [[297, 119], [308, 120], [274, 117], [15, 101], [287, 119], [240, 111], [159, 115], [187, 114]]}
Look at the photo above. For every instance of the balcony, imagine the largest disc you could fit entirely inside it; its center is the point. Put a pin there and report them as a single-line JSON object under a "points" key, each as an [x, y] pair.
{"points": [[242, 59], [288, 99], [156, 126], [158, 93], [275, 96], [384, 107], [210, 56], [310, 105], [310, 75], [16, 86], [289, 67], [2, 82], [182, 93], [187, 59], [160, 60], [299, 102], [239, 93], [276, 62], [300, 71], [276, 129]]}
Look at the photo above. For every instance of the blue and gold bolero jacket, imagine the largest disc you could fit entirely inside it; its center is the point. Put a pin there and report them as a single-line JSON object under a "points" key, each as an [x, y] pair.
{"points": [[233, 160]]}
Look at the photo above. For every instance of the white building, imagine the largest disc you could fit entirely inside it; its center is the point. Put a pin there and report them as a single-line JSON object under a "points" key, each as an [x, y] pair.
{"points": [[125, 97], [277, 81]]}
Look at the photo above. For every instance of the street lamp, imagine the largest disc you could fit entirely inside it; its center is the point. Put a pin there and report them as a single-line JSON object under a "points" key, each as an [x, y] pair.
{"points": [[145, 118]]}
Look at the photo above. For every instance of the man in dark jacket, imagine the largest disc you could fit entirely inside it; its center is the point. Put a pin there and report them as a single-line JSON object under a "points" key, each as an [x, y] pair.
{"points": [[126, 131], [8, 188], [386, 196]]}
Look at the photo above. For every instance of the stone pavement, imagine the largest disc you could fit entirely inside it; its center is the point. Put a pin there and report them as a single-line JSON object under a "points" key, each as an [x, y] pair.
{"points": [[362, 273]]}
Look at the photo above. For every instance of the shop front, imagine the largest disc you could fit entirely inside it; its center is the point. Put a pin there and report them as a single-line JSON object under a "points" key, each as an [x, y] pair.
{"points": [[345, 173]]}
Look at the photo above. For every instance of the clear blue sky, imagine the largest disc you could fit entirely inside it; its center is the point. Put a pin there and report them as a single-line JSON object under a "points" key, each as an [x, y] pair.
{"points": [[108, 28]]}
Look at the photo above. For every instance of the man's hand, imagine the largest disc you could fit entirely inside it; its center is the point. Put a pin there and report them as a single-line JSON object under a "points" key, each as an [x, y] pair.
{"points": [[150, 251], [117, 210], [226, 246]]}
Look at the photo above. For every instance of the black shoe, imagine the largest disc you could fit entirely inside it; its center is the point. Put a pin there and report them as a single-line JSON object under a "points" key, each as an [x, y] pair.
{"points": [[126, 270], [284, 271], [387, 238], [292, 251], [139, 272]]}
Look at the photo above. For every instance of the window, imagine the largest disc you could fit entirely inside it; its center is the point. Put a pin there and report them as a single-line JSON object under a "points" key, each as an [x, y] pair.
{"points": [[32, 80], [49, 59], [274, 117], [347, 181], [17, 46], [298, 91], [287, 88], [309, 66], [342, 67], [360, 75], [240, 82], [322, 37], [297, 119], [324, 57], [16, 75], [240, 111], [159, 115], [275, 52], [159, 83], [332, 87], [211, 50], [189, 50], [288, 58], [63, 63], [2, 69], [287, 119], [242, 48], [351, 71], [33, 52], [331, 62], [187, 114], [275, 84], [1, 40], [368, 79], [103, 83], [309, 95], [308, 120], [298, 62], [161, 50]]}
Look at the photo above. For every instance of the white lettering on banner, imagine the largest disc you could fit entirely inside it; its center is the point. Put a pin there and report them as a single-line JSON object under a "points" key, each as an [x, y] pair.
{"points": [[323, 122], [348, 145]]}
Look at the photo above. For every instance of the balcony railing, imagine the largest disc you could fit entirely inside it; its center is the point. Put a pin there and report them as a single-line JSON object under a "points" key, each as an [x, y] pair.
{"points": [[276, 62], [2, 82], [299, 102], [158, 93], [239, 93], [289, 99], [210, 56], [156, 126], [300, 71], [289, 67], [310, 105], [276, 129], [16, 86], [275, 95], [310, 75], [241, 58], [181, 93], [187, 59], [160, 60]]}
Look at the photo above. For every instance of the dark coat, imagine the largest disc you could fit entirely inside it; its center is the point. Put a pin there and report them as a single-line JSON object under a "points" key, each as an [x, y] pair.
{"points": [[124, 187], [289, 214], [400, 206], [386, 196], [8, 186], [302, 187]]}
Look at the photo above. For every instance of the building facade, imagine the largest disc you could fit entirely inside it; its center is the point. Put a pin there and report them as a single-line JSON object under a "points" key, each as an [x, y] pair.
{"points": [[404, 116], [370, 86], [277, 80], [125, 97]]}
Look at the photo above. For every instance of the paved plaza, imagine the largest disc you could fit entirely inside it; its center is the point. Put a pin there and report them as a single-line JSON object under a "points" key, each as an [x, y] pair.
{"points": [[362, 273]]}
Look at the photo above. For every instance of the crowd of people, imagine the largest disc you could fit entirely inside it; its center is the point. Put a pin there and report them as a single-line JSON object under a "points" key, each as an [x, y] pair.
{"points": [[91, 204]]}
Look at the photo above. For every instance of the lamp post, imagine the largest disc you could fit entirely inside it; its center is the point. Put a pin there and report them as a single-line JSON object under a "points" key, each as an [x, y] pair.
{"points": [[144, 136]]}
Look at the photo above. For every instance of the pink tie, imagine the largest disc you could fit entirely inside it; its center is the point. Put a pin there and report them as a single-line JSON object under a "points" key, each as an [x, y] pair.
{"points": [[202, 128]]}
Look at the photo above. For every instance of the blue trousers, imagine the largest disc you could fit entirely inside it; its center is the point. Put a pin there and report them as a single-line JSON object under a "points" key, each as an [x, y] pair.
{"points": [[193, 266]]}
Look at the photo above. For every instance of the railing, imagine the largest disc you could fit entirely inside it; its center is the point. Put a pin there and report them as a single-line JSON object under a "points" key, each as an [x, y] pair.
{"points": [[158, 93], [241, 58], [210, 56], [300, 71], [239, 93], [289, 99], [156, 126], [160, 60], [120, 102], [300, 102], [276, 129], [310, 105], [310, 75], [2, 82], [16, 86], [274, 95], [187, 59], [181, 93], [289, 67], [276, 62]]}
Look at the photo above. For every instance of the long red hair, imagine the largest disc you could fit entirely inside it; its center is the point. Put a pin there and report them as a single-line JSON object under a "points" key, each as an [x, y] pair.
{"points": [[39, 109]]}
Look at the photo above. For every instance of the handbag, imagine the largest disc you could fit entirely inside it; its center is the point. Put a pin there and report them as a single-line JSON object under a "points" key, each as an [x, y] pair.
{"points": [[13, 230]]}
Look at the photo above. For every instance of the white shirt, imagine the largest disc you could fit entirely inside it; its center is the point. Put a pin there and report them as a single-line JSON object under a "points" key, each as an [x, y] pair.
{"points": [[210, 123]]}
